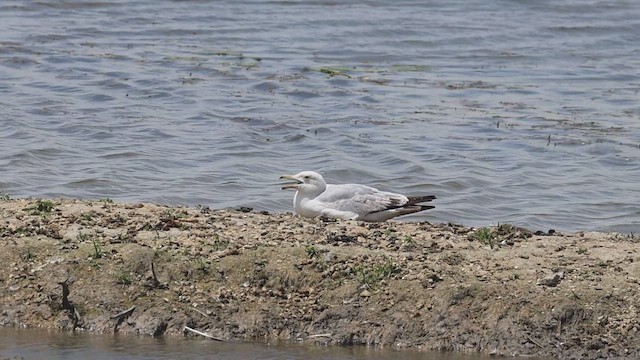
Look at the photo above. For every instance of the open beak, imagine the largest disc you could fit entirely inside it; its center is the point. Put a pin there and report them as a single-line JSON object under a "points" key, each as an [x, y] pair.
{"points": [[293, 185]]}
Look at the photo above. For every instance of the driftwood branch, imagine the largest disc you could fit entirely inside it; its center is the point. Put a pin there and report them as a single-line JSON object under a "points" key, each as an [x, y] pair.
{"points": [[203, 334], [319, 335], [73, 314], [534, 342], [153, 272], [119, 317], [66, 304], [200, 312], [123, 314], [154, 282]]}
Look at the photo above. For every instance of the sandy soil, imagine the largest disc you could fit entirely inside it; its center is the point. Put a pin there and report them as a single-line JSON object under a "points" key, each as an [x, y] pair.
{"points": [[89, 265]]}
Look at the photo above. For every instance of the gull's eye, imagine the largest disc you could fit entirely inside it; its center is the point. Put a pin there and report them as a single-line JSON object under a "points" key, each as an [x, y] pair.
{"points": [[307, 177]]}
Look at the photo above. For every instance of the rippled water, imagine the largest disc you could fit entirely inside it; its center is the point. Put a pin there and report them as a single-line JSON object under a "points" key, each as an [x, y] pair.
{"points": [[38, 344], [519, 111]]}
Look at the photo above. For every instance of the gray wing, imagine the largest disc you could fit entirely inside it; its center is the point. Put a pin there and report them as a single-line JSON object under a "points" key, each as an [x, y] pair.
{"points": [[359, 199]]}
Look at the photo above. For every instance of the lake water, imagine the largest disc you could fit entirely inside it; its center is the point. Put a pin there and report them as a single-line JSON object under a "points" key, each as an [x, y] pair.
{"points": [[16, 344], [519, 111]]}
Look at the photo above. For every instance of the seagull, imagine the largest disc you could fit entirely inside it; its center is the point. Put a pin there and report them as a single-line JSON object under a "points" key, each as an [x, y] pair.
{"points": [[314, 197]]}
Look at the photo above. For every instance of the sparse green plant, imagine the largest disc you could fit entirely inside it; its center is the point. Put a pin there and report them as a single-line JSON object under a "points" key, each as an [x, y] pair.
{"points": [[321, 265], [581, 250], [261, 263], [173, 214], [106, 200], [88, 216], [28, 255], [203, 265], [219, 244], [41, 207], [20, 230], [94, 264], [5, 197], [312, 251], [371, 276], [409, 239], [82, 237], [124, 278], [97, 249], [485, 236]]}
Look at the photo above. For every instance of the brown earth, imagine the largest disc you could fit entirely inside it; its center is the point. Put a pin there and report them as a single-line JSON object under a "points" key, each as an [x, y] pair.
{"points": [[247, 275]]}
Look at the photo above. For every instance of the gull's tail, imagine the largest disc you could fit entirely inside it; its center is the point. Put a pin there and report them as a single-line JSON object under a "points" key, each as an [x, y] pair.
{"points": [[398, 209], [414, 206], [413, 200]]}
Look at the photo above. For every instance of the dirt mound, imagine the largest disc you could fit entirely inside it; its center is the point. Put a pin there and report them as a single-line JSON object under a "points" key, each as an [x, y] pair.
{"points": [[147, 269]]}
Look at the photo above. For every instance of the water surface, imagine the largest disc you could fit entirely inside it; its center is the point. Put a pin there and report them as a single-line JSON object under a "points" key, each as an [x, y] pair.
{"points": [[37, 344], [519, 111]]}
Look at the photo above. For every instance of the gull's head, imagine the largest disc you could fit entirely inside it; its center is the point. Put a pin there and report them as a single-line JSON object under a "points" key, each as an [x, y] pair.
{"points": [[306, 181]]}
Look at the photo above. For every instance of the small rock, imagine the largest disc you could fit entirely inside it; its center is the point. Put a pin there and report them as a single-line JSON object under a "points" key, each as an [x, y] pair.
{"points": [[329, 256], [552, 280], [365, 293], [596, 344]]}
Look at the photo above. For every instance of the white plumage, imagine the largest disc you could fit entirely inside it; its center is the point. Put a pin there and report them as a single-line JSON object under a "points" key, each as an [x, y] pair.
{"points": [[314, 197]]}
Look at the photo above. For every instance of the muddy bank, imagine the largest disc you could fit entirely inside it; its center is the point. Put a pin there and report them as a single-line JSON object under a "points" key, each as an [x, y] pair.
{"points": [[146, 269]]}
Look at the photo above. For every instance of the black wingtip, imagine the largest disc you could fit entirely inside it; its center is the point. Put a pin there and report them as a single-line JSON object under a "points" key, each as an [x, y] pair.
{"points": [[420, 199]]}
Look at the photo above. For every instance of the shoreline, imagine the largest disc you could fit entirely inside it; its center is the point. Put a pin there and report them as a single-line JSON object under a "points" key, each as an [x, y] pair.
{"points": [[240, 275]]}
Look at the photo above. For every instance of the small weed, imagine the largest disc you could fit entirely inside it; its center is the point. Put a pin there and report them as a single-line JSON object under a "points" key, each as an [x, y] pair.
{"points": [[312, 251], [106, 200], [82, 237], [5, 197], [581, 250], [173, 214], [20, 230], [94, 264], [124, 278], [41, 207], [203, 266], [220, 244], [485, 236], [371, 276], [409, 240], [88, 216], [28, 255], [97, 248], [261, 263]]}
